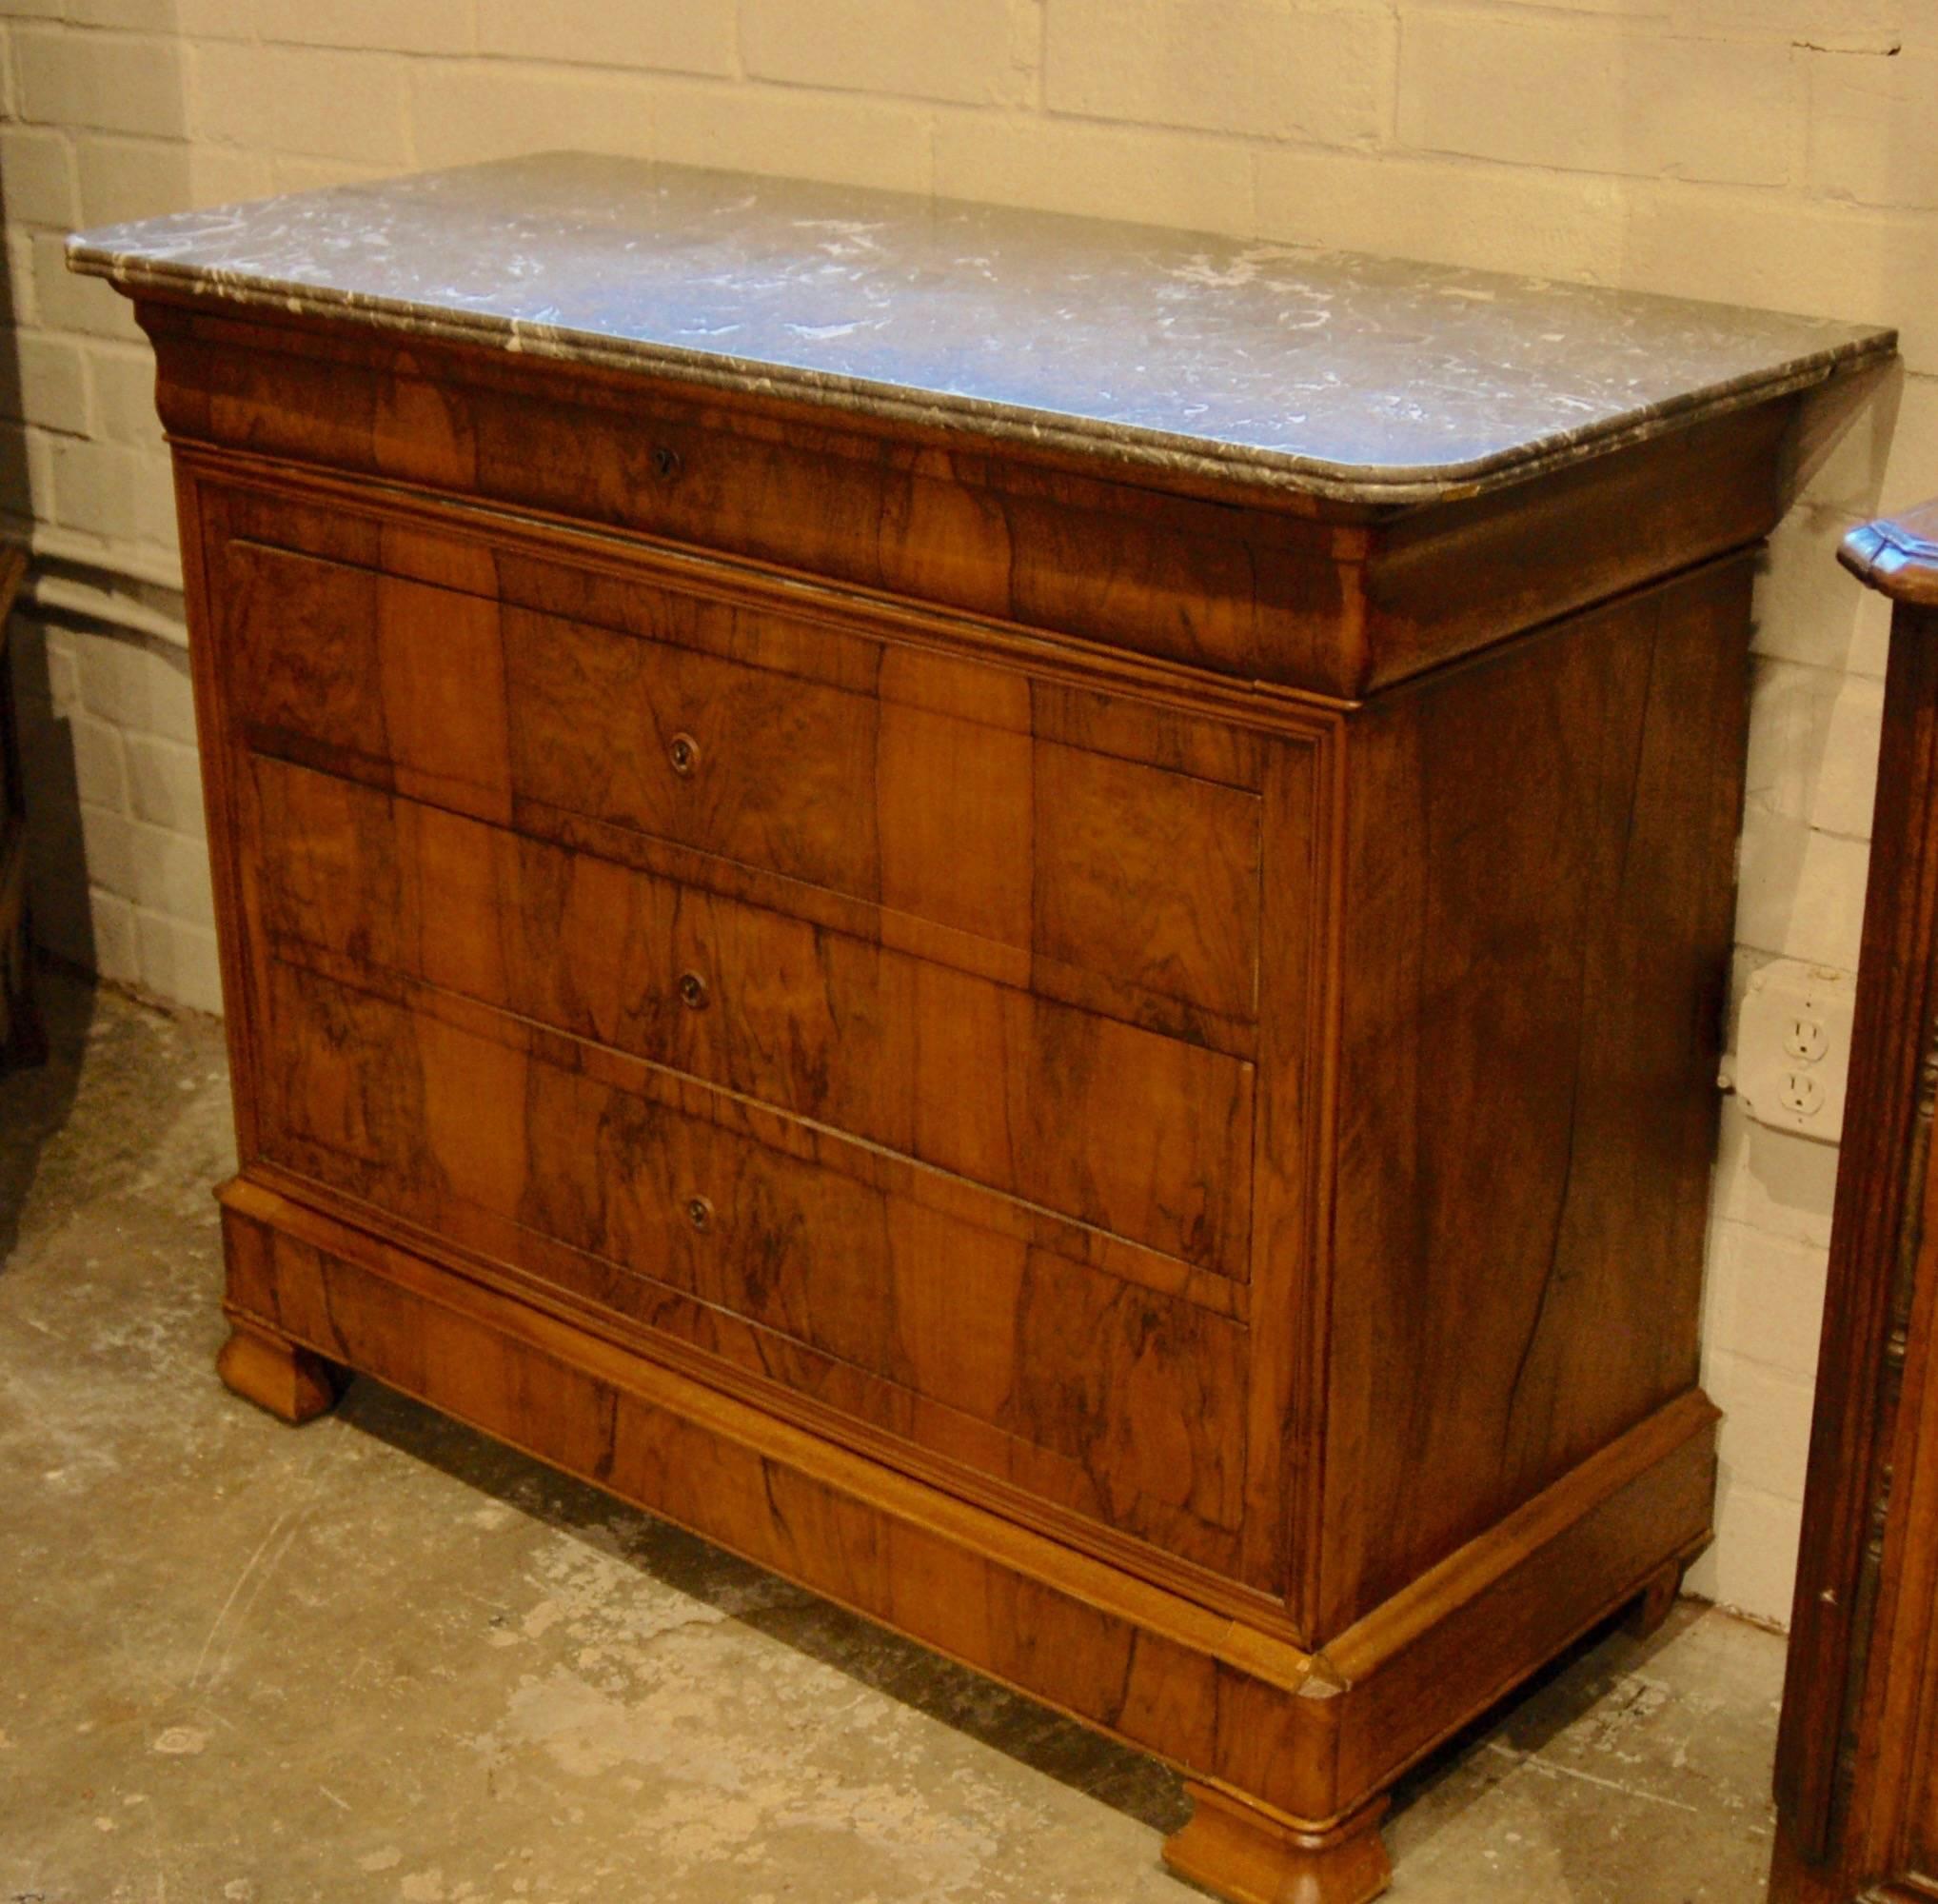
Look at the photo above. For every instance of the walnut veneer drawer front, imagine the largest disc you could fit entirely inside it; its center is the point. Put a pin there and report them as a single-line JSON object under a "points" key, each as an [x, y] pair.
{"points": [[1143, 1136], [1121, 1401], [1045, 950], [1137, 884]]}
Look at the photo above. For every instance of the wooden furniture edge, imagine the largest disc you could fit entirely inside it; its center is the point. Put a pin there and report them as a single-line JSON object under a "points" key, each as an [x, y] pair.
{"points": [[1839, 1607], [845, 609], [1208, 466], [1897, 555], [1390, 559], [1241, 1853], [1794, 1878], [1294, 1713]]}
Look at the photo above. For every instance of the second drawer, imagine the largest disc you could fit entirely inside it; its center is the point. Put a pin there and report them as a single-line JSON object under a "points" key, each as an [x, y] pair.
{"points": [[1142, 1136]]}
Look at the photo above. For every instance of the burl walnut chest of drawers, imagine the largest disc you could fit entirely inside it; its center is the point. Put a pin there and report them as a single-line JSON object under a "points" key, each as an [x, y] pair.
{"points": [[1028, 917]]}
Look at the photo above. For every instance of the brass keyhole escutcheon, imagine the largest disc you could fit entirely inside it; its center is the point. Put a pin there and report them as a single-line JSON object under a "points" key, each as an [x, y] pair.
{"points": [[666, 462], [692, 991], [682, 753], [700, 1213]]}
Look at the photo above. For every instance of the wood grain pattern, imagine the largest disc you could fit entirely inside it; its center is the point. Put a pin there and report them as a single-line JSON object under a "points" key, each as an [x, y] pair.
{"points": [[1238, 1708], [1281, 588], [1253, 1858], [1529, 891], [467, 1132], [769, 769], [1116, 1073], [292, 1384], [1143, 1136], [1857, 1774]]}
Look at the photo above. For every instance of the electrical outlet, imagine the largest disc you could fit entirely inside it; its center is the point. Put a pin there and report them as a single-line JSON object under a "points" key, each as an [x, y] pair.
{"points": [[1799, 1094], [1793, 1060]]}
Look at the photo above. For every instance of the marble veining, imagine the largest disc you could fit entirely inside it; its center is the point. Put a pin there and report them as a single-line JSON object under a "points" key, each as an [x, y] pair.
{"points": [[1357, 378]]}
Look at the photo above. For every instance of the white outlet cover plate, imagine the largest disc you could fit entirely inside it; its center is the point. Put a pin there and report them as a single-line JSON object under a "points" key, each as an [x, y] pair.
{"points": [[1790, 1006]]}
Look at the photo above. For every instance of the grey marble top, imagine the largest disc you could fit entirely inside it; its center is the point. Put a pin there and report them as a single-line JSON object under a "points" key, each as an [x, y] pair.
{"points": [[1358, 378]]}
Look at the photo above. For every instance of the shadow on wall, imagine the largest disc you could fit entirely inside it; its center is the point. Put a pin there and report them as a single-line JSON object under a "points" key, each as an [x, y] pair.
{"points": [[117, 867], [56, 845]]}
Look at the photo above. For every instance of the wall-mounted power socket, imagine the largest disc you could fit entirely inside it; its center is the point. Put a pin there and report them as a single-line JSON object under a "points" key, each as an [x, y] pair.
{"points": [[1791, 1065]]}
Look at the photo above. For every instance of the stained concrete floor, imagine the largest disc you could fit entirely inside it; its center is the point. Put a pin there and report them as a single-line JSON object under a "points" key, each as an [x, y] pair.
{"points": [[379, 1658]]}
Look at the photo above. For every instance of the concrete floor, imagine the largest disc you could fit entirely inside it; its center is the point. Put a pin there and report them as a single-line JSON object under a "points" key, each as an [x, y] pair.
{"points": [[379, 1658]]}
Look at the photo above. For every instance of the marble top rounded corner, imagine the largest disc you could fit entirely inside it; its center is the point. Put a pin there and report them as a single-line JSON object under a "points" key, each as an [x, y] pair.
{"points": [[1897, 555], [1363, 380]]}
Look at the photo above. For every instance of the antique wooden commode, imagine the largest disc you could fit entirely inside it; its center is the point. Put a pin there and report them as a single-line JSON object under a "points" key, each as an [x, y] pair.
{"points": [[1027, 916]]}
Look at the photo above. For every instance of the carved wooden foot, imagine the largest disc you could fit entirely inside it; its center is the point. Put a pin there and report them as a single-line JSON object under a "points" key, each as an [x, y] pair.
{"points": [[1254, 1857], [1658, 1599], [289, 1382]]}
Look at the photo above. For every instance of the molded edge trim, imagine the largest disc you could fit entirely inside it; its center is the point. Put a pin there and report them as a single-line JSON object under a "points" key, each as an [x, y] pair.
{"points": [[1329, 1758], [1897, 555]]}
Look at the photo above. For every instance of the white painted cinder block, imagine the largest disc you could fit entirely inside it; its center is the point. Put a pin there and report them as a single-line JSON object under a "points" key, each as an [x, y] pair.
{"points": [[100, 773], [464, 113], [1503, 218], [1589, 96], [695, 36], [1813, 741], [113, 949], [1225, 66], [123, 381], [117, 854], [1774, 1182], [37, 176], [1870, 27], [420, 26], [112, 82], [1765, 1296], [1172, 178], [315, 102], [123, 177], [1766, 1433], [62, 301], [1789, 253], [222, 175], [110, 838], [1808, 610], [1800, 892], [178, 959], [1873, 135], [787, 129], [152, 16], [49, 383], [216, 19], [1753, 1563], [164, 784], [963, 51]]}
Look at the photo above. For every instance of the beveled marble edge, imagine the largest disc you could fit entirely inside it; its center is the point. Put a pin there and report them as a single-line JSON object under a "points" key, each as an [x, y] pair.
{"points": [[1124, 442]]}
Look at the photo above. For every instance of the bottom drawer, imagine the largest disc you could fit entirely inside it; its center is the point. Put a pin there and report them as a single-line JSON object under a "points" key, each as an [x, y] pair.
{"points": [[658, 1200]]}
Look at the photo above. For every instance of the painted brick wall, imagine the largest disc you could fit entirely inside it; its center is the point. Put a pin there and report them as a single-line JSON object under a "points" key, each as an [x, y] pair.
{"points": [[1773, 151]]}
